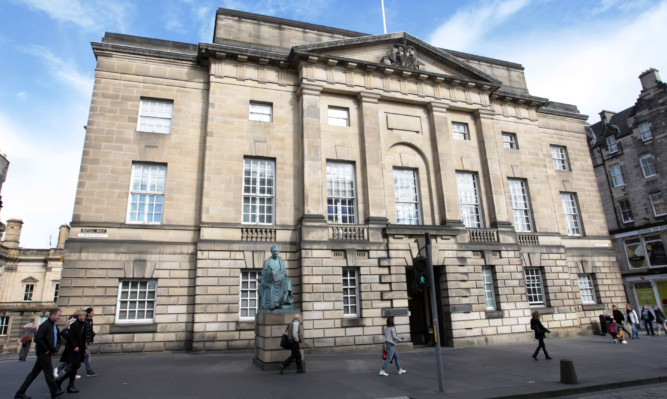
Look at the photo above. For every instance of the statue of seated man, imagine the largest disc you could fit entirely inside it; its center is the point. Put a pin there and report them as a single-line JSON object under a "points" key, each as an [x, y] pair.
{"points": [[275, 288]]}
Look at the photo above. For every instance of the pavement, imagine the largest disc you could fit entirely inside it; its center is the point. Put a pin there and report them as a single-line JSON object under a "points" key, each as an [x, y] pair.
{"points": [[476, 372]]}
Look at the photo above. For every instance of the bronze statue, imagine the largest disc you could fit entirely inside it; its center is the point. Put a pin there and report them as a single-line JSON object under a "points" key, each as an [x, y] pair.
{"points": [[275, 288]]}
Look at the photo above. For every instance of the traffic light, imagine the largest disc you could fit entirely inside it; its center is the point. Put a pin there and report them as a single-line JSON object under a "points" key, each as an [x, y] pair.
{"points": [[421, 274]]}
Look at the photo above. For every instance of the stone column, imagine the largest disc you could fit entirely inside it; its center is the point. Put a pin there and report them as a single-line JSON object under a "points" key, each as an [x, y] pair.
{"points": [[493, 177], [444, 169], [371, 160], [13, 233]]}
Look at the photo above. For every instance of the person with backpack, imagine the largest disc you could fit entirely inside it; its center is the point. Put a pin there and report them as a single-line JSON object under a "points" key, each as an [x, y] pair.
{"points": [[75, 350]]}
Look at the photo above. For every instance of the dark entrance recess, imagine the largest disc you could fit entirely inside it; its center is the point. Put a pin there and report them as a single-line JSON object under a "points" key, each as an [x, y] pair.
{"points": [[421, 331]]}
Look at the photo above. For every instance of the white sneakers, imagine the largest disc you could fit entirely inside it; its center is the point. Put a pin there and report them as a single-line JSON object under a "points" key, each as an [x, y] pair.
{"points": [[384, 373], [55, 372], [625, 342], [402, 371]]}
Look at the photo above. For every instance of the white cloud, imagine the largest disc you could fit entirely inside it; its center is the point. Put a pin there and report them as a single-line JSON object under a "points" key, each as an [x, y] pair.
{"points": [[91, 15], [64, 71], [21, 96]]}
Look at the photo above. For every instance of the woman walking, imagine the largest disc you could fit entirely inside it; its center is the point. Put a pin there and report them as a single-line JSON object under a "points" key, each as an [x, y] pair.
{"points": [[75, 350], [540, 331], [659, 320], [390, 339], [647, 318]]}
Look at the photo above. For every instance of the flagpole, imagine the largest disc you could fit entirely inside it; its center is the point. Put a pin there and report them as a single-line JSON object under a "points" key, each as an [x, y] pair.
{"points": [[384, 19]]}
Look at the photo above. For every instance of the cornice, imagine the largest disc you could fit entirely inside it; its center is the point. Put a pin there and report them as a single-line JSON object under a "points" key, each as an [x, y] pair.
{"points": [[99, 48]]}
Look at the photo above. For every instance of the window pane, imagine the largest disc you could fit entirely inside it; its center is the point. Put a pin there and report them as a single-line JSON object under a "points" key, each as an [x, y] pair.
{"points": [[534, 286], [341, 193], [146, 193], [258, 191], [460, 131], [136, 300], [586, 288], [572, 221], [155, 115], [406, 196], [466, 184], [339, 116], [559, 157], [520, 205], [350, 292], [248, 294]]}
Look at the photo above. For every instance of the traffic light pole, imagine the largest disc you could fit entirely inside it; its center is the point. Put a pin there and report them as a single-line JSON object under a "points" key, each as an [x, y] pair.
{"points": [[434, 313]]}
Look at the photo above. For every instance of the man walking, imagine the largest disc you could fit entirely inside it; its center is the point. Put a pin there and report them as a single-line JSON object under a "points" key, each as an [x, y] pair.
{"points": [[27, 335], [619, 318], [294, 336], [90, 339], [47, 343]]}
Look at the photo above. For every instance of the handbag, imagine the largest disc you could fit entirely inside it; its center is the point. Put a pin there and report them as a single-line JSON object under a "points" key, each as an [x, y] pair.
{"points": [[284, 340], [26, 339], [384, 354]]}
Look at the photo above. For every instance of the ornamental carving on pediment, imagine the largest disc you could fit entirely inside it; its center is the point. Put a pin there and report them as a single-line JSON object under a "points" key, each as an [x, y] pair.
{"points": [[403, 56]]}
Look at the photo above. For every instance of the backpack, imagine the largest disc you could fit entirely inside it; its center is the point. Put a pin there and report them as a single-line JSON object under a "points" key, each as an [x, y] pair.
{"points": [[612, 328]]}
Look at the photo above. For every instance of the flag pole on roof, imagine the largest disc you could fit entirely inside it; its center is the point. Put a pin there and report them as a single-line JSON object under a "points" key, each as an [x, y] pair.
{"points": [[384, 19]]}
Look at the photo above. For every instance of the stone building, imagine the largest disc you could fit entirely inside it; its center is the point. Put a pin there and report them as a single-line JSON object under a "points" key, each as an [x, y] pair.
{"points": [[29, 283], [345, 149], [628, 151]]}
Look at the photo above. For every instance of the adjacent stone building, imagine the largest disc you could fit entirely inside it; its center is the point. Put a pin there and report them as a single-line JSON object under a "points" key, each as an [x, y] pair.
{"points": [[345, 149], [29, 283], [628, 151]]}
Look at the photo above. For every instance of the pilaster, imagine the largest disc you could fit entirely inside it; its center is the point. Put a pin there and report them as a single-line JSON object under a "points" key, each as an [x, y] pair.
{"points": [[444, 169], [313, 177], [371, 158]]}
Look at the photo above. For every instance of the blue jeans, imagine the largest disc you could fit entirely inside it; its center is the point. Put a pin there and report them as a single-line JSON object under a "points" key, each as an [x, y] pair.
{"points": [[391, 348], [86, 361], [635, 331], [648, 326]]}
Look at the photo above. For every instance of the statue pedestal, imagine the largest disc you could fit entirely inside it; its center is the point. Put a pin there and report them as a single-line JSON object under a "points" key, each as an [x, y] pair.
{"points": [[269, 329]]}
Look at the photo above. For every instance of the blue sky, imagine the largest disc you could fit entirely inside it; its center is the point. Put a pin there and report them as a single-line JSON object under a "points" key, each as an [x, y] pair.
{"points": [[584, 52]]}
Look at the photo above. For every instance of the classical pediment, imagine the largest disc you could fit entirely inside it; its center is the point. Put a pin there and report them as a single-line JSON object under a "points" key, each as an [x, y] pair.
{"points": [[399, 51]]}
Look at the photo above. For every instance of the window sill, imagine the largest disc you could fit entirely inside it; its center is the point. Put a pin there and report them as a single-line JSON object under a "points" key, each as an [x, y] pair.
{"points": [[132, 328]]}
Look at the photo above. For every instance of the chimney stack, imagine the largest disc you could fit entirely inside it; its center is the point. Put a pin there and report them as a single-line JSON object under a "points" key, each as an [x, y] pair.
{"points": [[62, 236], [605, 116], [649, 78], [13, 233]]}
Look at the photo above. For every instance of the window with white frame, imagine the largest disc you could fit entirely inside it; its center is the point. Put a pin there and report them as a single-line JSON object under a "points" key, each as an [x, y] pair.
{"points": [[616, 175], [571, 212], [655, 249], [587, 289], [509, 141], [406, 194], [626, 210], [460, 131], [248, 294], [469, 204], [645, 131], [534, 287], [146, 197], [350, 292], [155, 115], [136, 301], [612, 145], [339, 116], [647, 164], [489, 292], [56, 290], [259, 191], [559, 157], [520, 205], [28, 291], [341, 193], [658, 204], [4, 325], [260, 112]]}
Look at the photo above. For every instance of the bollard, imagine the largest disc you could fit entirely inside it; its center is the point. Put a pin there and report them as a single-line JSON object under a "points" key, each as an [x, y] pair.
{"points": [[567, 373]]}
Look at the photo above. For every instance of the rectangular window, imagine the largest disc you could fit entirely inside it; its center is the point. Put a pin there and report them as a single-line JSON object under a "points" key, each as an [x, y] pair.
{"points": [[634, 251], [136, 300], [534, 286], [626, 210], [520, 205], [406, 194], [261, 112], [509, 141], [259, 188], [350, 292], [339, 116], [248, 297], [616, 175], [645, 131], [460, 131], [155, 115], [489, 292], [56, 290], [469, 204], [655, 250], [27, 293], [612, 146], [571, 212], [4, 325], [587, 289], [559, 157], [341, 193], [658, 204], [146, 197], [647, 164]]}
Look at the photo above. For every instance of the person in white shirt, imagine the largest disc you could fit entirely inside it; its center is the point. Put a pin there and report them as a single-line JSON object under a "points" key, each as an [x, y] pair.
{"points": [[633, 319]]}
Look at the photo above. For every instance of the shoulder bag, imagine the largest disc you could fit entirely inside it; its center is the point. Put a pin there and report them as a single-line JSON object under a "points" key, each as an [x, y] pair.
{"points": [[284, 340]]}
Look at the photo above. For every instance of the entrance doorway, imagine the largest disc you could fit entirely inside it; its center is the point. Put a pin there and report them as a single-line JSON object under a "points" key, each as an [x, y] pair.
{"points": [[421, 325]]}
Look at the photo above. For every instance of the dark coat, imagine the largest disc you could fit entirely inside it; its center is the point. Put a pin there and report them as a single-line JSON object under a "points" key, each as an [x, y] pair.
{"points": [[618, 316], [540, 330], [45, 339], [90, 333], [75, 339], [659, 316]]}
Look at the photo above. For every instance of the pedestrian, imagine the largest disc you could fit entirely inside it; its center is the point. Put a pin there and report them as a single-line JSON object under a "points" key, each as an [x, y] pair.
{"points": [[27, 335], [90, 340], [647, 318], [294, 336], [75, 350], [390, 339], [46, 345], [659, 320], [633, 320], [619, 318], [540, 331], [65, 366]]}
